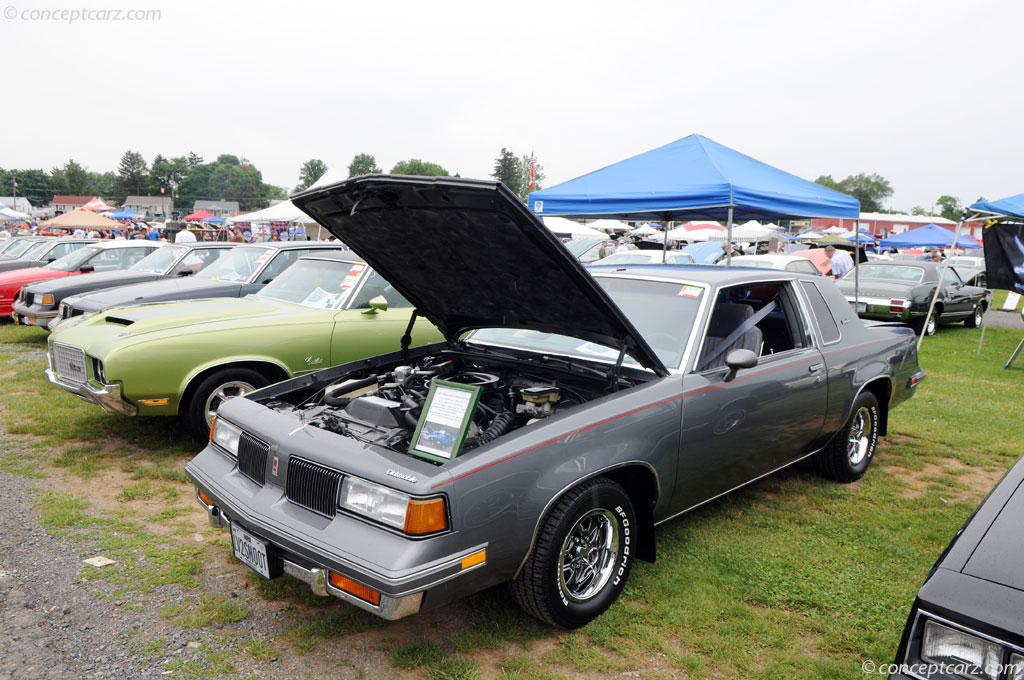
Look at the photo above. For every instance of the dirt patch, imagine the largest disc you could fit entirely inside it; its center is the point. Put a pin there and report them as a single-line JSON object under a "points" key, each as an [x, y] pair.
{"points": [[968, 481]]}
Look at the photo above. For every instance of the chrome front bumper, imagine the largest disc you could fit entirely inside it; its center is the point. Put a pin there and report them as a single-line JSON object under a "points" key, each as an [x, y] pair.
{"points": [[317, 578], [107, 397]]}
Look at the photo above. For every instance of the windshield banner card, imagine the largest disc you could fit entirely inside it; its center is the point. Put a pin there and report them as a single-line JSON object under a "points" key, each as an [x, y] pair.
{"points": [[444, 421]]}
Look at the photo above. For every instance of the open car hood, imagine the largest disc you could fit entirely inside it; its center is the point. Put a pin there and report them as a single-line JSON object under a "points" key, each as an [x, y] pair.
{"points": [[468, 254]]}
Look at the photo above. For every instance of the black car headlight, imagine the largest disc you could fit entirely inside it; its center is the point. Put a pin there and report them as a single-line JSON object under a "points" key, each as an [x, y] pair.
{"points": [[225, 435], [1016, 671], [972, 656]]}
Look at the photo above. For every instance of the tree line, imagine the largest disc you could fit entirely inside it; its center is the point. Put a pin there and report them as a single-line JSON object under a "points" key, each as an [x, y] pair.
{"points": [[873, 190]]}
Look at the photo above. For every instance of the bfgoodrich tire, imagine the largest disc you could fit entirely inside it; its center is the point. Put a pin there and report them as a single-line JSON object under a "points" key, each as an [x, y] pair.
{"points": [[214, 390], [582, 558], [974, 320], [849, 454]]}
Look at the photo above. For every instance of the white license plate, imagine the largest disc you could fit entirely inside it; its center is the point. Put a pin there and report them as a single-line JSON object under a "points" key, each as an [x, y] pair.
{"points": [[862, 307], [250, 551]]}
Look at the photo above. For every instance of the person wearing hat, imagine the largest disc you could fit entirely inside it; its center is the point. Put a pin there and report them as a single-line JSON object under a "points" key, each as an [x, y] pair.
{"points": [[118, 236]]}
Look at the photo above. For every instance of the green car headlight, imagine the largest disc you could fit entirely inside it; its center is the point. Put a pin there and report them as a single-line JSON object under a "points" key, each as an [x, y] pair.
{"points": [[225, 435], [974, 657], [377, 502]]}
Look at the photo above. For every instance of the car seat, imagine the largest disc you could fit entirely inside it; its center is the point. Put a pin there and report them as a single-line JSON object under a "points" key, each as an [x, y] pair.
{"points": [[727, 318]]}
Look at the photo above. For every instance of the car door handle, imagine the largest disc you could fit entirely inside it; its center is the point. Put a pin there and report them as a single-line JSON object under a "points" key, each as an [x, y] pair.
{"points": [[814, 368]]}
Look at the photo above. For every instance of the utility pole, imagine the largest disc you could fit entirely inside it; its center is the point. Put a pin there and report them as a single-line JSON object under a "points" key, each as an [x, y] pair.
{"points": [[14, 192]]}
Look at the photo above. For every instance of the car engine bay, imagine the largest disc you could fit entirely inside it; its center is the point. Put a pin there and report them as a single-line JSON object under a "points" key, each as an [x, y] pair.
{"points": [[383, 407]]}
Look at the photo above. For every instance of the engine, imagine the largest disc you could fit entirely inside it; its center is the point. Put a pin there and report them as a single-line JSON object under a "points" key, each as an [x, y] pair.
{"points": [[384, 409]]}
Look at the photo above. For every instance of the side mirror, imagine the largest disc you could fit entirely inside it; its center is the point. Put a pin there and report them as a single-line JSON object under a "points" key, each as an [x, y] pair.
{"points": [[50, 259], [377, 304], [86, 268], [186, 272], [737, 359]]}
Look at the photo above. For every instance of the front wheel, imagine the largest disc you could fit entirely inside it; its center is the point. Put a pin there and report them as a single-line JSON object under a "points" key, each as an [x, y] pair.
{"points": [[213, 391], [848, 455], [974, 320], [582, 558]]}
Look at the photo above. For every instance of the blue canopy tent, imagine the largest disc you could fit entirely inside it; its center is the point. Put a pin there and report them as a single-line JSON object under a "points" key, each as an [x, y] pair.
{"points": [[125, 214], [930, 235], [1012, 206], [213, 218]]}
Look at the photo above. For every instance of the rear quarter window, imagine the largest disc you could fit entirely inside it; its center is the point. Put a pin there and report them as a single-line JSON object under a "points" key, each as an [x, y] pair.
{"points": [[826, 322]]}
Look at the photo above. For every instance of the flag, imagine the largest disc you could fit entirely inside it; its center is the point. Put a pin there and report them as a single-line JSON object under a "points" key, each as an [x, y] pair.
{"points": [[533, 170]]}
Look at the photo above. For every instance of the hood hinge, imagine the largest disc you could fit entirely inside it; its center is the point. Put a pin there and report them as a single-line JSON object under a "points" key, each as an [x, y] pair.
{"points": [[613, 374]]}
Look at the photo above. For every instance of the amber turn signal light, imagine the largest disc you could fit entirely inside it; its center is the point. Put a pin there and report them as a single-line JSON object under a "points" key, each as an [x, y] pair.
{"points": [[213, 424], [479, 557], [425, 517], [203, 497], [353, 588]]}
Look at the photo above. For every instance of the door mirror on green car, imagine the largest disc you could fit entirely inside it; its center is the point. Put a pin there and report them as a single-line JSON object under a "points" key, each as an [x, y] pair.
{"points": [[377, 304]]}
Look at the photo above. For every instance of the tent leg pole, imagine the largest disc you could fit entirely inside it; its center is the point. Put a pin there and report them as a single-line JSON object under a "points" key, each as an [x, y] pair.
{"points": [[982, 338], [728, 243], [664, 240], [1013, 357], [938, 286]]}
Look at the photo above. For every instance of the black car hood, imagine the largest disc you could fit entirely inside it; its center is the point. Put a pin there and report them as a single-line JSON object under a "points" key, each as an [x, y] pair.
{"points": [[468, 255], [68, 285], [188, 288], [1000, 553]]}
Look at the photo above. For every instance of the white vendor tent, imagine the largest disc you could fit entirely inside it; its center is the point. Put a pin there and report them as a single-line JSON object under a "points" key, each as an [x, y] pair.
{"points": [[564, 227], [608, 225], [645, 230], [752, 231]]}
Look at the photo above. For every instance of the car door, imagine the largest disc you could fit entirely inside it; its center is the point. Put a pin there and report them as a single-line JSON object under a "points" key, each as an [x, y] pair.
{"points": [[362, 331], [737, 428], [956, 299]]}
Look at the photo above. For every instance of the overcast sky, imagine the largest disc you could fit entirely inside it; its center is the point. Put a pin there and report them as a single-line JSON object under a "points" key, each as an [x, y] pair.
{"points": [[927, 94]]}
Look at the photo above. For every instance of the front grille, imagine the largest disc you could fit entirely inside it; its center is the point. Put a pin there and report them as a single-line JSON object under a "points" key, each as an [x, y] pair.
{"points": [[313, 486], [25, 297], [252, 458], [69, 362]]}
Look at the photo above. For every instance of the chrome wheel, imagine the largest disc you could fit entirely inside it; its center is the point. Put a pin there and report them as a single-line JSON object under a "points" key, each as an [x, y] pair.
{"points": [[929, 326], [860, 435], [977, 316], [587, 559], [228, 390]]}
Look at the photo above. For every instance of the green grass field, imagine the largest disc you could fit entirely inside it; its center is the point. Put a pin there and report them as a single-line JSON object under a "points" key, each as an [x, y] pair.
{"points": [[794, 577]]}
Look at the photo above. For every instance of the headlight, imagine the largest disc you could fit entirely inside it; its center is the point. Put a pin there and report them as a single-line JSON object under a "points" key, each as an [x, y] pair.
{"points": [[393, 508], [46, 300], [1016, 671], [951, 647], [225, 435]]}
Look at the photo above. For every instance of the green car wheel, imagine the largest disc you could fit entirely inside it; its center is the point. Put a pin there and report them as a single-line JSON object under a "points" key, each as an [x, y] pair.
{"points": [[213, 391]]}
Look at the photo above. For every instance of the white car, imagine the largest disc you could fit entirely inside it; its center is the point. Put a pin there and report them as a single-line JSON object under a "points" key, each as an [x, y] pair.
{"points": [[647, 257], [789, 263]]}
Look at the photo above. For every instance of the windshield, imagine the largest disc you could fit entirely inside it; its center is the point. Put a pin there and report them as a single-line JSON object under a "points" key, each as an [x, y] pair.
{"points": [[628, 258], [888, 272], [580, 246], [238, 265], [967, 261], [36, 250], [320, 284], [73, 261], [17, 248], [664, 313], [159, 260]]}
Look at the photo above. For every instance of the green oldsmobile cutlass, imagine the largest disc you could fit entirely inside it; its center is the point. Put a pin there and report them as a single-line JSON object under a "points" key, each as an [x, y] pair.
{"points": [[187, 358]]}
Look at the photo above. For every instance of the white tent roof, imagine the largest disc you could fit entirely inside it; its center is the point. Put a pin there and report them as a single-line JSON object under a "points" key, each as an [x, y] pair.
{"points": [[834, 230], [645, 230], [752, 231], [13, 214], [286, 211], [608, 225], [680, 234], [560, 225]]}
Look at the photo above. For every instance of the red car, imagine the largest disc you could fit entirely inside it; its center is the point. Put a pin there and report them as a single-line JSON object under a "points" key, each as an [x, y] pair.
{"points": [[98, 257]]}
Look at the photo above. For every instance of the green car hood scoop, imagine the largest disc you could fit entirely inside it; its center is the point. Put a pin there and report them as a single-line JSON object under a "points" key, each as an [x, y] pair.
{"points": [[468, 254]]}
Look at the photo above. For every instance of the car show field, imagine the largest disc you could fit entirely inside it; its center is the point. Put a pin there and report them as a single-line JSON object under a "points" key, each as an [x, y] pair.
{"points": [[793, 577]]}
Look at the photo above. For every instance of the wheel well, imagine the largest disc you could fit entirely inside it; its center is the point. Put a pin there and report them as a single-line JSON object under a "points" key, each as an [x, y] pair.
{"points": [[642, 488], [984, 305], [271, 372], [882, 389]]}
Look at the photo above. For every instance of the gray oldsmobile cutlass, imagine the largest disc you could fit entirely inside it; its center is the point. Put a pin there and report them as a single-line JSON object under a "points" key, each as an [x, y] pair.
{"points": [[583, 409]]}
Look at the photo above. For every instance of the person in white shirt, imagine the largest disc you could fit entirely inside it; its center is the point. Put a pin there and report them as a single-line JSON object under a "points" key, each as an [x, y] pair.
{"points": [[841, 261], [184, 236], [79, 233], [623, 248], [4, 234]]}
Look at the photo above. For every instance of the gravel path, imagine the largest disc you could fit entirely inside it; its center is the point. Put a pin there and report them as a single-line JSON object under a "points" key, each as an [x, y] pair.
{"points": [[53, 627]]}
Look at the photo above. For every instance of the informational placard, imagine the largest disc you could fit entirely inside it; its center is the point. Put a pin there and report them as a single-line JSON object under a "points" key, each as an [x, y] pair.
{"points": [[444, 422], [1012, 300]]}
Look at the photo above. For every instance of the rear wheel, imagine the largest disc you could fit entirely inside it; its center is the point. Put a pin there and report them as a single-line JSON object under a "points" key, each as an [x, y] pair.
{"points": [[927, 327], [582, 558], [974, 320], [849, 454], [213, 391]]}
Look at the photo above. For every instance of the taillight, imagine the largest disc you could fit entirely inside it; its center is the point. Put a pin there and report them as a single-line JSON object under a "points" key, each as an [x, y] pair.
{"points": [[897, 306]]}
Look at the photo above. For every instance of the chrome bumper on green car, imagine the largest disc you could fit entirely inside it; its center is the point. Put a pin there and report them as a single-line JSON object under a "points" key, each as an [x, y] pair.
{"points": [[107, 397]]}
